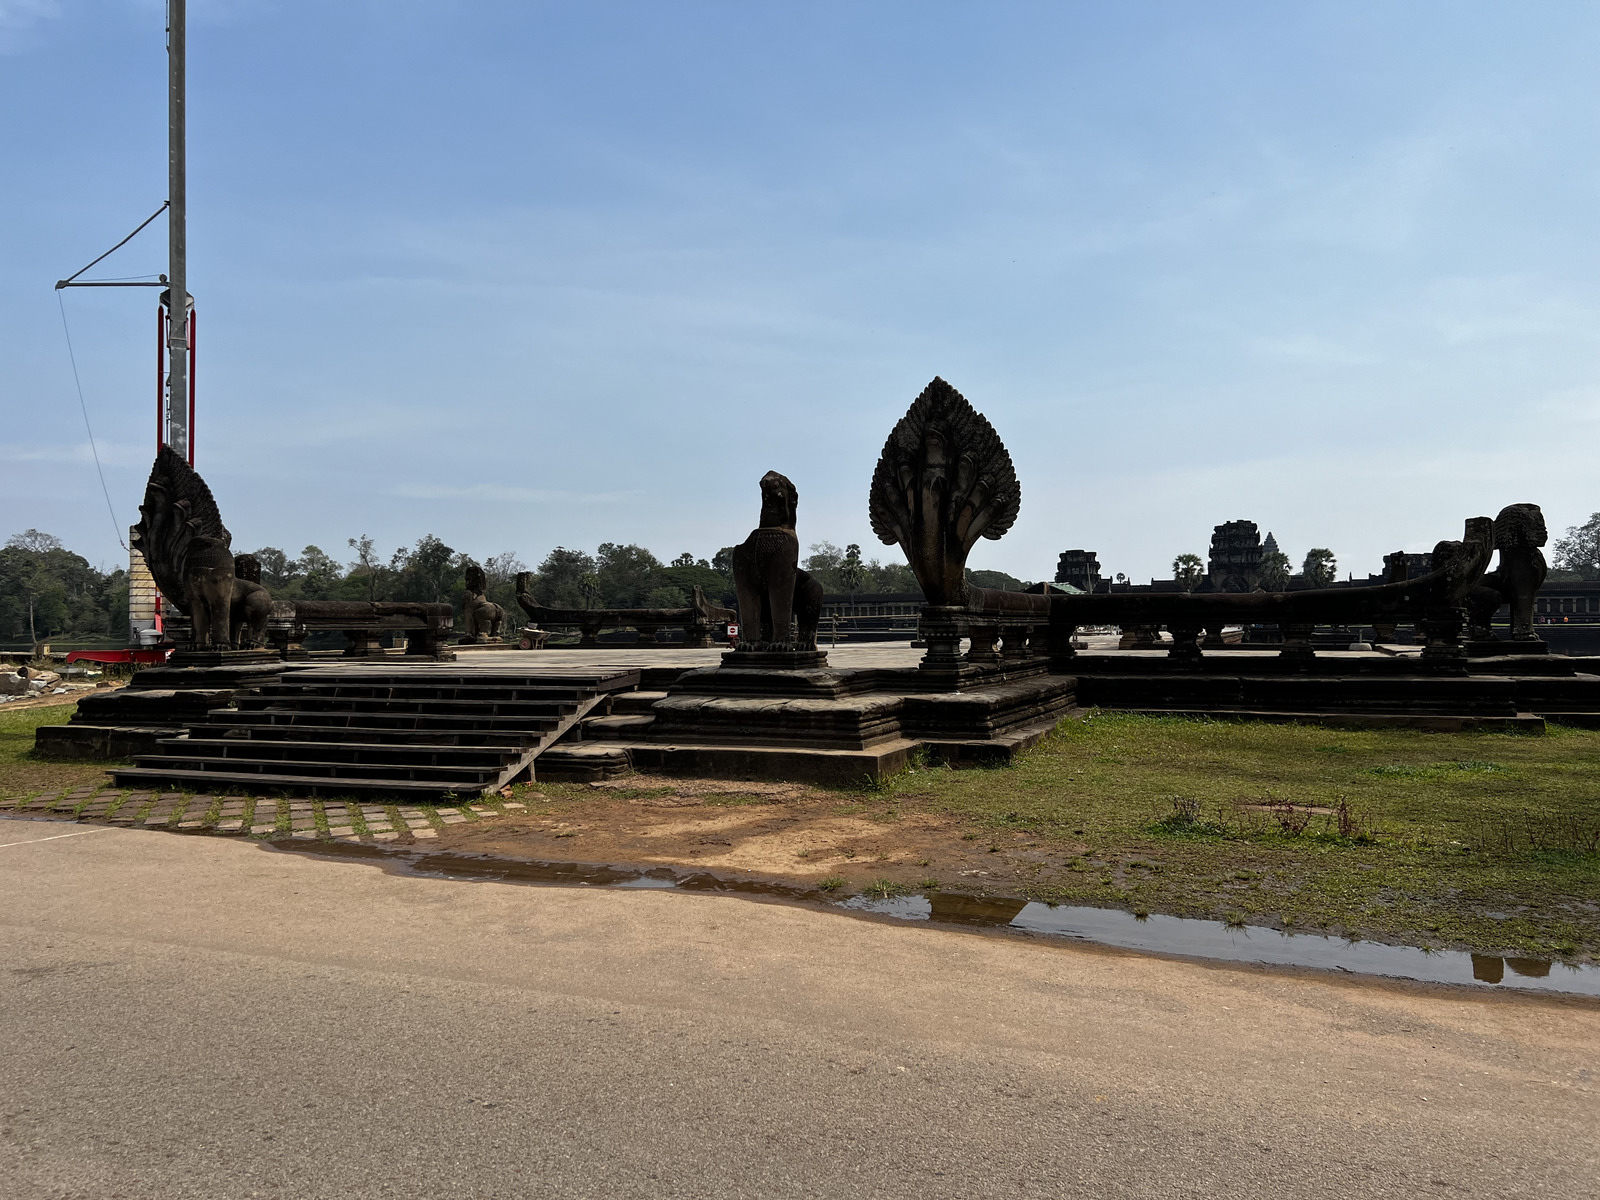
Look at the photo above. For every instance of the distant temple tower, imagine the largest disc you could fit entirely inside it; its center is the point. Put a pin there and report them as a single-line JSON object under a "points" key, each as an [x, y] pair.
{"points": [[1235, 557], [1400, 566], [1079, 568]]}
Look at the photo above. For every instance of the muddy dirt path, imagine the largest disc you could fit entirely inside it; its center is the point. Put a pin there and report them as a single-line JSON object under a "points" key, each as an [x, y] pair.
{"points": [[777, 830]]}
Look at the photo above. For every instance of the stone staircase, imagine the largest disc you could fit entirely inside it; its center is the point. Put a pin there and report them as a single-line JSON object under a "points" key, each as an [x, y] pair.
{"points": [[415, 733]]}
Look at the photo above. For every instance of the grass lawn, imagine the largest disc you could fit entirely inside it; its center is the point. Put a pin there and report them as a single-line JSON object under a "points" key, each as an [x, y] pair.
{"points": [[1481, 840], [23, 775]]}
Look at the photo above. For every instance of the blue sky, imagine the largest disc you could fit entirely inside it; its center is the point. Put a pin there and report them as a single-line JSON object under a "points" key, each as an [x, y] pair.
{"points": [[526, 274]]}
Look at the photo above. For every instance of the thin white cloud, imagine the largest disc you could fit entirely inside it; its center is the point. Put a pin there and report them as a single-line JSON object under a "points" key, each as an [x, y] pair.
{"points": [[17, 21], [500, 491], [118, 454]]}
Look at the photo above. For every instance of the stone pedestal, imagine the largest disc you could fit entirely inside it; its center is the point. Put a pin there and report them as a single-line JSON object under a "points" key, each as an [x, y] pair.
{"points": [[221, 658], [1496, 647], [775, 660], [985, 644], [1185, 643], [1297, 644], [942, 627], [1442, 630]]}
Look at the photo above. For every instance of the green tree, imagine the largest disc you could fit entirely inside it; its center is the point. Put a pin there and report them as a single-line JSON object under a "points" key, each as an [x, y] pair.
{"points": [[852, 571], [890, 577], [999, 581], [501, 571], [589, 586], [559, 582], [321, 572], [278, 571], [627, 574], [429, 572], [1579, 550], [367, 570], [1275, 570], [46, 591], [666, 597], [717, 585], [823, 564], [1188, 569], [1320, 567]]}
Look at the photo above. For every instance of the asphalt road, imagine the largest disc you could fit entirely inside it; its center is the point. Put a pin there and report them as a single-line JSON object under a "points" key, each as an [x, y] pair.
{"points": [[199, 1017]]}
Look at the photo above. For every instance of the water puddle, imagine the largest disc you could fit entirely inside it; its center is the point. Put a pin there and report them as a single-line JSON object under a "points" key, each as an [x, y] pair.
{"points": [[1178, 936]]}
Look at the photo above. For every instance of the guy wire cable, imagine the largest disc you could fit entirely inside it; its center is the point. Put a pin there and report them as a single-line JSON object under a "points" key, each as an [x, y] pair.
{"points": [[84, 408]]}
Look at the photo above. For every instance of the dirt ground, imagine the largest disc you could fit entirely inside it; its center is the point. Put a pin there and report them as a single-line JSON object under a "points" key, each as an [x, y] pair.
{"points": [[777, 830]]}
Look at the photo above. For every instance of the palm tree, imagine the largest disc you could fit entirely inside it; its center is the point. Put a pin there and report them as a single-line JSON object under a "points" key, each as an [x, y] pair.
{"points": [[1187, 569]]}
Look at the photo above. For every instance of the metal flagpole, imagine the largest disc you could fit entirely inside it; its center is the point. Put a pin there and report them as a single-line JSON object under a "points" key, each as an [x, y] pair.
{"points": [[177, 250]]}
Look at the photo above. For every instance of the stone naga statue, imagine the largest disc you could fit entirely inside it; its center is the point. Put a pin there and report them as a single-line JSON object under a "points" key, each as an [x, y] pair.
{"points": [[771, 587], [187, 548], [481, 617], [943, 481], [1519, 531]]}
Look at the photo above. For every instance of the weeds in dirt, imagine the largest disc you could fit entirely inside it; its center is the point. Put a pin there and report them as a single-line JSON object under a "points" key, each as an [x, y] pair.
{"points": [[887, 889], [1185, 820], [1291, 821], [831, 883], [1562, 834]]}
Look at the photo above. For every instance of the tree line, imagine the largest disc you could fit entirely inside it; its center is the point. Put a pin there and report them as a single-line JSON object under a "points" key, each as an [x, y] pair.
{"points": [[47, 591], [615, 575]]}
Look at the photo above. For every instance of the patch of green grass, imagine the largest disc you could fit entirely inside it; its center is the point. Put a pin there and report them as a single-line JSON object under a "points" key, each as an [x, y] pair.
{"points": [[735, 799], [886, 889], [1487, 841], [831, 883], [24, 774]]}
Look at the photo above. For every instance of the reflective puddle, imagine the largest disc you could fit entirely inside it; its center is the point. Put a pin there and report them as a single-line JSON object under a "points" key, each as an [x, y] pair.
{"points": [[1156, 934]]}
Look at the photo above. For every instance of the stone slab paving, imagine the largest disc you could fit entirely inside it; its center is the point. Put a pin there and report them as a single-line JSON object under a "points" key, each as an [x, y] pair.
{"points": [[253, 816]]}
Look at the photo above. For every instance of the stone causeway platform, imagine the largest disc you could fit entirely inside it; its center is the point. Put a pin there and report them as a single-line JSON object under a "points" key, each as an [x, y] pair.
{"points": [[365, 735]]}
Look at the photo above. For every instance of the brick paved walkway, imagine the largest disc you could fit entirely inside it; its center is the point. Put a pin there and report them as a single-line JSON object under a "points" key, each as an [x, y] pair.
{"points": [[255, 816]]}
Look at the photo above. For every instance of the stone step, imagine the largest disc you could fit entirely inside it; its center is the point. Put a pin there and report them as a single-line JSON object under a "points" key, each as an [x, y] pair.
{"points": [[409, 723], [376, 733], [462, 736], [625, 727], [279, 750], [416, 691], [411, 704], [417, 791], [470, 778], [581, 763], [634, 702]]}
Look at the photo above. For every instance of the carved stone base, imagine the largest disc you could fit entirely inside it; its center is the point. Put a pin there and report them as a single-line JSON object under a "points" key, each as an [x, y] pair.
{"points": [[221, 658], [1496, 647], [753, 659]]}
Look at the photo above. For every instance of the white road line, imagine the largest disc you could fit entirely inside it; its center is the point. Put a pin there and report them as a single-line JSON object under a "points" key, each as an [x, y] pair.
{"points": [[56, 837]]}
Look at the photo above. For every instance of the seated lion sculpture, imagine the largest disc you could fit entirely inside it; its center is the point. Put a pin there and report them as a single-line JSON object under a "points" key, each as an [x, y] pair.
{"points": [[1519, 531], [480, 616], [771, 587]]}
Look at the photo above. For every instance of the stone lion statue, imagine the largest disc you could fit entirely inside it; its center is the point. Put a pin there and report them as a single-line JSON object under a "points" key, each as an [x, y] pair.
{"points": [[251, 604], [1519, 531], [772, 588], [480, 616]]}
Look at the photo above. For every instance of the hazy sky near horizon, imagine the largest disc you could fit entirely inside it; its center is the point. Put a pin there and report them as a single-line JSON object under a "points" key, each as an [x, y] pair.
{"points": [[525, 274]]}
